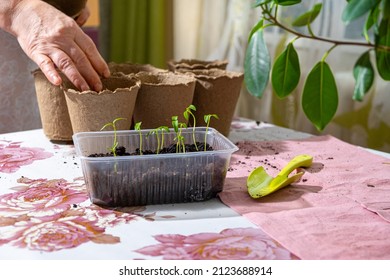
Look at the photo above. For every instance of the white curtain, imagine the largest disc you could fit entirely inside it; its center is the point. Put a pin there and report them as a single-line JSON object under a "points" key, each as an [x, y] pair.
{"points": [[219, 29]]}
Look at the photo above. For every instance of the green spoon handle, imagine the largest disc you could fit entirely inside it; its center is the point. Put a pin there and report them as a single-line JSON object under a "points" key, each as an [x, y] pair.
{"points": [[298, 161]]}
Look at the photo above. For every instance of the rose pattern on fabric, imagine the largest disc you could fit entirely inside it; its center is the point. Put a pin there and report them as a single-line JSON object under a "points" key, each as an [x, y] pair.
{"points": [[63, 233], [108, 218], [48, 215], [13, 156], [41, 198], [229, 244]]}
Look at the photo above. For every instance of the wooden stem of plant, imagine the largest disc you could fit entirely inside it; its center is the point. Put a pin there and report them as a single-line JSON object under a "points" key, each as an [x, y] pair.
{"points": [[274, 22]]}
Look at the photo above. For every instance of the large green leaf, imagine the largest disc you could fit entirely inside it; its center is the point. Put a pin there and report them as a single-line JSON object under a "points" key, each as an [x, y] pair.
{"points": [[258, 26], [363, 73], [308, 17], [357, 8], [286, 72], [372, 20], [386, 9], [257, 63], [287, 2], [382, 51], [320, 96]]}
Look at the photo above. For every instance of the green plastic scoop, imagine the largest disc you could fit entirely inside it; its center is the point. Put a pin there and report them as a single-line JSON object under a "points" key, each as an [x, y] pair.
{"points": [[260, 184]]}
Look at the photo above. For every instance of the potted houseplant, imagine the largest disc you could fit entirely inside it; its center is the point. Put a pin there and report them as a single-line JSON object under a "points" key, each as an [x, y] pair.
{"points": [[320, 92]]}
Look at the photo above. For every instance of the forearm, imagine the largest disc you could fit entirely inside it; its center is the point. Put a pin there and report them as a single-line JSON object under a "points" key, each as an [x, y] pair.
{"points": [[7, 10], [53, 40], [10, 11]]}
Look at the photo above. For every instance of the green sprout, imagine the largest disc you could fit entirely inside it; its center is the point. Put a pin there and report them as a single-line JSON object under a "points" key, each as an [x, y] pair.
{"points": [[162, 129], [207, 119], [137, 127], [187, 113], [178, 127], [115, 142], [160, 143], [155, 131]]}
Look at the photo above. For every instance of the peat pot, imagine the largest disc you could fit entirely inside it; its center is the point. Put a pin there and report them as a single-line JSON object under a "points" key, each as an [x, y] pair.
{"points": [[161, 96], [52, 106], [91, 110]]}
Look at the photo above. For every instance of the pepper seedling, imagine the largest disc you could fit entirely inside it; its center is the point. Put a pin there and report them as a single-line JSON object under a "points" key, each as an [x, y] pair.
{"points": [[162, 129], [115, 142], [137, 127], [187, 113], [160, 143], [207, 119], [177, 127]]}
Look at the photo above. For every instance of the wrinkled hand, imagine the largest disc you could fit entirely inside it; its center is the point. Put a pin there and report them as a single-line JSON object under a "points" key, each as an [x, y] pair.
{"points": [[52, 39], [82, 18]]}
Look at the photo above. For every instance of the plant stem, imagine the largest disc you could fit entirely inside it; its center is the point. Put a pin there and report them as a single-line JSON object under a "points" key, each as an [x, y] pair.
{"points": [[162, 139], [137, 127], [327, 53], [274, 22], [310, 30], [205, 138], [158, 142], [140, 143], [115, 144], [193, 130]]}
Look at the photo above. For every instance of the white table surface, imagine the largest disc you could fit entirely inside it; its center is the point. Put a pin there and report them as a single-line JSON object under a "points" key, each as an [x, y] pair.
{"points": [[114, 238]]}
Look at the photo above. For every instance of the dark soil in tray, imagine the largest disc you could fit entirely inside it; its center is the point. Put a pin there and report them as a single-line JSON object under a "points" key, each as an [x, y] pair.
{"points": [[169, 180], [171, 149]]}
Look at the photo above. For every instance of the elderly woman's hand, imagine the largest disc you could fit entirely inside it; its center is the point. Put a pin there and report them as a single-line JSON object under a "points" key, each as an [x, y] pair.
{"points": [[53, 40], [82, 18]]}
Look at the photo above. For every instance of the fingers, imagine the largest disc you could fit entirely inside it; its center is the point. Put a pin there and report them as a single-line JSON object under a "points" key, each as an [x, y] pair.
{"points": [[57, 44], [48, 69], [86, 59], [69, 65], [83, 16], [88, 47], [74, 66], [81, 64]]}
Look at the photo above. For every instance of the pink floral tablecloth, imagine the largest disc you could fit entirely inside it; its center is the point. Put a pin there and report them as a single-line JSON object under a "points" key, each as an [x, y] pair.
{"points": [[45, 212]]}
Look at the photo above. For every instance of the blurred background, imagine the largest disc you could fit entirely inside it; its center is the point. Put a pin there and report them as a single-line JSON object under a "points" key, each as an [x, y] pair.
{"points": [[156, 31]]}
